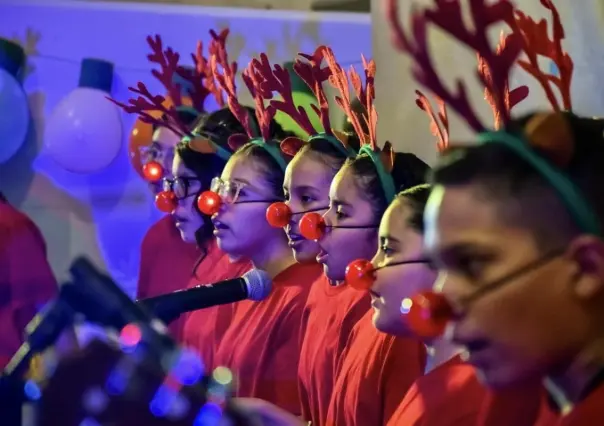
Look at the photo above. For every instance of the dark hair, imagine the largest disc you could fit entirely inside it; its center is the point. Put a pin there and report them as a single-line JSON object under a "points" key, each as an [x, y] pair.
{"points": [[329, 153], [408, 171], [526, 197], [219, 126], [416, 198], [273, 173]]}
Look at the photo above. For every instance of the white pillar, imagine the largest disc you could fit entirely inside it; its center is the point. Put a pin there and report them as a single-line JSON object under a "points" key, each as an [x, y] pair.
{"points": [[407, 127]]}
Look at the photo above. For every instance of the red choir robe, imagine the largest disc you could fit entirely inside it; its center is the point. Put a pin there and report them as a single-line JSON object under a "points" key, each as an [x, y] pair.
{"points": [[26, 279], [262, 342], [331, 312], [375, 373]]}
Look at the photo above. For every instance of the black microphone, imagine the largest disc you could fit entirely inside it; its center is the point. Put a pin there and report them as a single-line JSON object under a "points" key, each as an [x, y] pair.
{"points": [[254, 285]]}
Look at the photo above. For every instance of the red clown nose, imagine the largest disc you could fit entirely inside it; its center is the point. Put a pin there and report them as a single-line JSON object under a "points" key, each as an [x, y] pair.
{"points": [[312, 226], [278, 215], [209, 203], [427, 314], [166, 201], [360, 274], [153, 171]]}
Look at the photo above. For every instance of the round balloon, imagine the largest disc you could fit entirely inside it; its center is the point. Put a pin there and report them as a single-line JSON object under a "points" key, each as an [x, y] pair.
{"points": [[141, 136], [14, 116], [84, 132]]}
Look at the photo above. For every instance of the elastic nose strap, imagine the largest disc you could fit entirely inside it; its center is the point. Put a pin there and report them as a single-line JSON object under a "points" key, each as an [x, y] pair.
{"points": [[318, 209]]}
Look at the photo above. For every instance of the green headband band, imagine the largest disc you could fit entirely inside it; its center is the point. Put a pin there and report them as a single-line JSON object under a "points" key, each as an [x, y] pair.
{"points": [[347, 151], [220, 151], [571, 196], [273, 151], [385, 177]]}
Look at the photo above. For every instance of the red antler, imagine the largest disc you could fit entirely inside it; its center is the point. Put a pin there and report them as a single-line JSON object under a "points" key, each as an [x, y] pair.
{"points": [[146, 103], [201, 76], [253, 80], [447, 15], [537, 42], [277, 79], [511, 98], [439, 124], [369, 96], [226, 80], [340, 80], [314, 76]]}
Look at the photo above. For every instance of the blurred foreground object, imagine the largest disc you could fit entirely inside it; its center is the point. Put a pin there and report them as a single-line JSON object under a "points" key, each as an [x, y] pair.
{"points": [[138, 376]]}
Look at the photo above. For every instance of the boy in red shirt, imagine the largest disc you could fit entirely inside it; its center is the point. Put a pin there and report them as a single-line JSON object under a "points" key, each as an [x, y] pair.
{"points": [[516, 225]]}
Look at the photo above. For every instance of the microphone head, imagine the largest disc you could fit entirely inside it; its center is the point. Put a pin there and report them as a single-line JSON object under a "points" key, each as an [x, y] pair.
{"points": [[259, 284]]}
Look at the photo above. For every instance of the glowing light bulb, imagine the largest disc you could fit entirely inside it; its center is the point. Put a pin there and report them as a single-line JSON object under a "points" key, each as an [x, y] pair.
{"points": [[84, 132]]}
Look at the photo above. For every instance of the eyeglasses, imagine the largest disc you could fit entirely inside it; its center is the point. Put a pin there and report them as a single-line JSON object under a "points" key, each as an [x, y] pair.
{"points": [[180, 186], [228, 191], [224, 192], [428, 313]]}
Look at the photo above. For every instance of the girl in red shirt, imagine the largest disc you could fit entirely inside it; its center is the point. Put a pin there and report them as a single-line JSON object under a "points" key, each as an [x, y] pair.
{"points": [[332, 309], [449, 393], [261, 342], [172, 257], [376, 369]]}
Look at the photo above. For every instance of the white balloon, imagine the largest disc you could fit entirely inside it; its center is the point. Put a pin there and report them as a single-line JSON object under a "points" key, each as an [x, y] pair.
{"points": [[84, 132]]}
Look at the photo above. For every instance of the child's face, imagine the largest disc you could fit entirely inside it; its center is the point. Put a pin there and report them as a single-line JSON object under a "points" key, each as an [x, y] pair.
{"points": [[347, 207], [398, 242], [306, 187], [241, 228], [532, 321]]}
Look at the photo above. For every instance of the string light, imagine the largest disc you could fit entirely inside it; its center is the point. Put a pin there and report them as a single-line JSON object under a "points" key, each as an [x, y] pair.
{"points": [[141, 70]]}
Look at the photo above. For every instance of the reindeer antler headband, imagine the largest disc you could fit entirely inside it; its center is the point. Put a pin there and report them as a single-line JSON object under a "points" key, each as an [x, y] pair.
{"points": [[340, 79], [550, 133], [264, 114], [277, 79], [439, 122], [169, 72], [201, 84]]}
